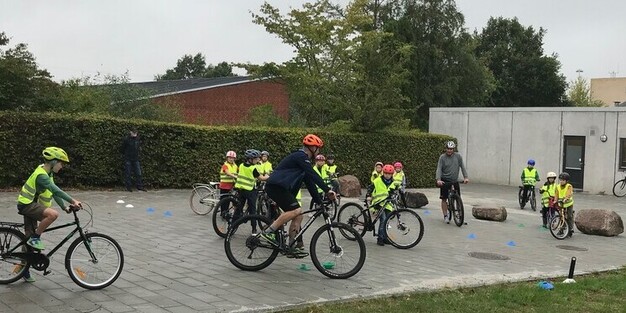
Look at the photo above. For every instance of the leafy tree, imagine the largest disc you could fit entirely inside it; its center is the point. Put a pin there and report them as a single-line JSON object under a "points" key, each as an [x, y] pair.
{"points": [[579, 94], [195, 66], [524, 76], [264, 115]]}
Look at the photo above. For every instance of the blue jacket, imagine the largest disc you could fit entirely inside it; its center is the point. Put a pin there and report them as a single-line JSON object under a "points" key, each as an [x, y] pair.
{"points": [[293, 170]]}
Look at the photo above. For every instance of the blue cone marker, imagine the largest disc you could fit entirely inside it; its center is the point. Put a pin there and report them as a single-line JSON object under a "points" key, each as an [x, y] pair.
{"points": [[471, 236], [511, 243], [167, 213], [150, 210], [426, 212]]}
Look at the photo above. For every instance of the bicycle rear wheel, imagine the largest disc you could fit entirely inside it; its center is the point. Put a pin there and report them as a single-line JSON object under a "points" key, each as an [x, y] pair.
{"points": [[405, 228], [459, 213], [559, 227], [533, 200], [12, 268], [520, 198], [336, 256], [245, 249], [619, 189], [353, 214], [95, 271], [203, 199], [223, 214]]}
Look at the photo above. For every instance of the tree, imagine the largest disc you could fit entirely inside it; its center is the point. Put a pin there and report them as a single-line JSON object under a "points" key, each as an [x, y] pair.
{"points": [[189, 66], [579, 94], [342, 69], [524, 76]]}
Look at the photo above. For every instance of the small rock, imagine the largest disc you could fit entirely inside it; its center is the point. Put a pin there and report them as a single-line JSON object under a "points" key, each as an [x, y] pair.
{"points": [[349, 186], [490, 213], [415, 199]]}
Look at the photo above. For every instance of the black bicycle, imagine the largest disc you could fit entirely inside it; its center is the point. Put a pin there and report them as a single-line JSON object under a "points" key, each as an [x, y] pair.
{"points": [[619, 188], [404, 228], [227, 210], [529, 198], [455, 204], [560, 227], [331, 255], [93, 260]]}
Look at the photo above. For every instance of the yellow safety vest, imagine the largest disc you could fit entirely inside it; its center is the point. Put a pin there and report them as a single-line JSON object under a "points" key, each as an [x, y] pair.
{"points": [[381, 192], [245, 177], [232, 168], [322, 174], [265, 168], [529, 176], [398, 177], [330, 169], [548, 191], [375, 175], [27, 194], [562, 192], [299, 197]]}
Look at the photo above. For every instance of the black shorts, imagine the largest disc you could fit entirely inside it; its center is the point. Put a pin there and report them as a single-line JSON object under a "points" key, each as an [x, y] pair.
{"points": [[283, 198], [444, 191]]}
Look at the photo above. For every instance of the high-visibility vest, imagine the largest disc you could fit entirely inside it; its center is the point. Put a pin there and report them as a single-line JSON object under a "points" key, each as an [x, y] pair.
{"points": [[562, 193], [330, 169], [548, 191], [381, 192], [530, 176], [265, 168], [322, 174], [375, 175], [232, 168], [299, 197], [398, 177], [245, 177], [28, 192]]}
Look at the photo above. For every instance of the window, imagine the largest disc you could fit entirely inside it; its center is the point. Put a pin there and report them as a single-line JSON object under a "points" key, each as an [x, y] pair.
{"points": [[622, 153]]}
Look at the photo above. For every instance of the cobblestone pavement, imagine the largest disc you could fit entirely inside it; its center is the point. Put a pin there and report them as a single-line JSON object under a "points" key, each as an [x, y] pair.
{"points": [[175, 263]]}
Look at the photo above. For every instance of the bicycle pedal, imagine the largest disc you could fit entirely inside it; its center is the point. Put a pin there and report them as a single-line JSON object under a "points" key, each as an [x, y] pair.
{"points": [[46, 272]]}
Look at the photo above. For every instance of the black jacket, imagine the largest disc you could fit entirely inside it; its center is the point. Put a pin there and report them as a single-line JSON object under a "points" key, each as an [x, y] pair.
{"points": [[130, 148], [293, 170]]}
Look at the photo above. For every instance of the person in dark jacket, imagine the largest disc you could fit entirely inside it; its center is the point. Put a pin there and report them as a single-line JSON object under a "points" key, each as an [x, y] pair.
{"points": [[130, 148]]}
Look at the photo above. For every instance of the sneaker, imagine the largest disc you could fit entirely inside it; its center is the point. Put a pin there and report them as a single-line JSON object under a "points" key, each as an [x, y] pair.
{"points": [[36, 243], [380, 242], [28, 278], [446, 218], [270, 238], [297, 253]]}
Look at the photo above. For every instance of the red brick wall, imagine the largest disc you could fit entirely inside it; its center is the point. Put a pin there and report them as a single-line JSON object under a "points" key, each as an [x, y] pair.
{"points": [[231, 104]]}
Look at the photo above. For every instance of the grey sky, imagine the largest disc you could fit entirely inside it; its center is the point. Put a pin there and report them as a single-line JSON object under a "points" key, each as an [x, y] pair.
{"points": [[145, 37]]}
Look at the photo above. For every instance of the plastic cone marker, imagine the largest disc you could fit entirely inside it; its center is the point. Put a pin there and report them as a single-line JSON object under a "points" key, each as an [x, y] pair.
{"points": [[426, 212], [471, 236], [511, 243], [130, 206], [167, 213], [120, 201], [150, 210]]}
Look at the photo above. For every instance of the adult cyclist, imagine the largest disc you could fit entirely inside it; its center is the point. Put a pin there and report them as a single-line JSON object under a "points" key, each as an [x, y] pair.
{"points": [[283, 186], [448, 172]]}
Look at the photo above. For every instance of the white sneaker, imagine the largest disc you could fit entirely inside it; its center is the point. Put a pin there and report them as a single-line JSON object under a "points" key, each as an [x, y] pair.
{"points": [[446, 218]]}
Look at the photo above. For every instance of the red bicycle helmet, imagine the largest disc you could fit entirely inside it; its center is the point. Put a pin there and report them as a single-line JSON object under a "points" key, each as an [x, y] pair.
{"points": [[397, 164], [312, 140], [388, 169]]}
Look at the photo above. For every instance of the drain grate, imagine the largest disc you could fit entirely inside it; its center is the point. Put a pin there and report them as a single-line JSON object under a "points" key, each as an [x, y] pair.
{"points": [[572, 248], [488, 256]]}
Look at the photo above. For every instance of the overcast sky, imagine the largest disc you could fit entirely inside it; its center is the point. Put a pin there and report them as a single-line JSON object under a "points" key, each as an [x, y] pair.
{"points": [[146, 37]]}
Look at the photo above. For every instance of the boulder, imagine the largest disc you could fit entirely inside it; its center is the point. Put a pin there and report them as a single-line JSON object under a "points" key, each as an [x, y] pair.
{"points": [[489, 213], [415, 199], [599, 222], [349, 186]]}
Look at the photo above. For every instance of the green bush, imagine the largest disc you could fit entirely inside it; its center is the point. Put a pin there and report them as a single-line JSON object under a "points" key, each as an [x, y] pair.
{"points": [[176, 155]]}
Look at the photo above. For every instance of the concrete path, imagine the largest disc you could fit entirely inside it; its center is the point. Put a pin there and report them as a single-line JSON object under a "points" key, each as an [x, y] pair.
{"points": [[175, 263]]}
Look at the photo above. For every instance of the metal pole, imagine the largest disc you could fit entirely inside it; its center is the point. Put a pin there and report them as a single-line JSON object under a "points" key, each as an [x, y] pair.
{"points": [[572, 265]]}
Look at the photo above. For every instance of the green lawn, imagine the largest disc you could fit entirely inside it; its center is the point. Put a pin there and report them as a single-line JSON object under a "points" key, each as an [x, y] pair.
{"points": [[604, 292]]}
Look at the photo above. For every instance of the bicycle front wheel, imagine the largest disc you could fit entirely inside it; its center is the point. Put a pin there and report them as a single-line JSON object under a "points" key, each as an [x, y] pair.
{"points": [[353, 214], [619, 189], [223, 214], [559, 227], [459, 213], [520, 198], [245, 249], [95, 262], [336, 256], [203, 199], [12, 267], [405, 228], [533, 201]]}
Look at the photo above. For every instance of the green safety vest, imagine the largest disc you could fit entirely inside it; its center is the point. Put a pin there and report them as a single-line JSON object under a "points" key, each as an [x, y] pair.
{"points": [[322, 174], [330, 169], [28, 193], [265, 168], [381, 192], [562, 192], [245, 177], [548, 191], [398, 177], [232, 168], [530, 176], [299, 197]]}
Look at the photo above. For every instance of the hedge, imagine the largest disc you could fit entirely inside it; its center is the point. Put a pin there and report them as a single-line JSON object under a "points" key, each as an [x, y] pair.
{"points": [[177, 155]]}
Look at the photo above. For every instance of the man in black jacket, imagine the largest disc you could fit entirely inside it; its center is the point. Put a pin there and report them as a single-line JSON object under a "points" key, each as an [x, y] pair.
{"points": [[130, 149]]}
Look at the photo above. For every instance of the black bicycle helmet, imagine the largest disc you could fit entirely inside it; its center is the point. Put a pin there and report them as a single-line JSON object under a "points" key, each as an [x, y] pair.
{"points": [[252, 153], [564, 176]]}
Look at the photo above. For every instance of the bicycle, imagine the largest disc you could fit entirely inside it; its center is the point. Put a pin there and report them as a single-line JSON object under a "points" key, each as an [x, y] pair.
{"points": [[332, 203], [455, 204], [400, 223], [228, 211], [204, 197], [619, 188], [85, 261], [559, 224], [248, 252], [529, 198]]}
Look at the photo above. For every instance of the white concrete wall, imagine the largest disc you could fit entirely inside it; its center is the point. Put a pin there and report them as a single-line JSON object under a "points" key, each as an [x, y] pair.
{"points": [[497, 142]]}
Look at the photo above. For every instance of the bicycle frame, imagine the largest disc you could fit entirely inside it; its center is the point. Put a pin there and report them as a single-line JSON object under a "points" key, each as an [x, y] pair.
{"points": [[318, 212]]}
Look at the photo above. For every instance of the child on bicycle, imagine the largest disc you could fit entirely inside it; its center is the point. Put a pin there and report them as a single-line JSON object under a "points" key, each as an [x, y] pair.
{"points": [[331, 172], [35, 199], [378, 171], [564, 196], [530, 177], [377, 194], [228, 176], [547, 194], [265, 167], [319, 167], [246, 183]]}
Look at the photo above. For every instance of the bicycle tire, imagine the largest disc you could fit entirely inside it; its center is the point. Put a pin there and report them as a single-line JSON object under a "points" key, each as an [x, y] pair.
{"points": [[619, 188], [81, 267], [558, 230], [262, 205], [402, 218], [357, 219], [251, 242], [520, 199], [221, 222], [9, 238], [459, 212], [200, 194], [335, 258], [533, 200]]}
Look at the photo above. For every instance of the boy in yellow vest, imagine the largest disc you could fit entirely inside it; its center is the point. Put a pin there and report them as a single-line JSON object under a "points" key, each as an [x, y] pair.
{"points": [[246, 183], [547, 191], [331, 172], [377, 193], [564, 195], [377, 172], [530, 177], [265, 167], [35, 199]]}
